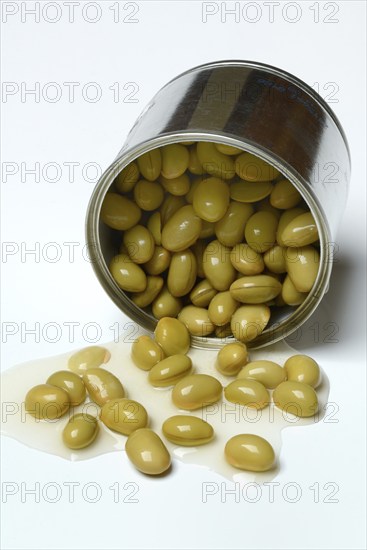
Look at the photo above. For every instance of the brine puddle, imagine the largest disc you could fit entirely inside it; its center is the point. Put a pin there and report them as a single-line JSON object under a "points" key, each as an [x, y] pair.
{"points": [[226, 418]]}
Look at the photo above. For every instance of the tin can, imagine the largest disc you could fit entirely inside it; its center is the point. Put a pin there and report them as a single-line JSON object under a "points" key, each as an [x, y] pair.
{"points": [[260, 109]]}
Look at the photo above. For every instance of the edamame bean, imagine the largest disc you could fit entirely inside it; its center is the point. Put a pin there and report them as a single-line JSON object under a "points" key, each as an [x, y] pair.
{"points": [[166, 305], [300, 231], [285, 219], [187, 431], [176, 186], [284, 195], [230, 229], [139, 243], [231, 358], [260, 231], [102, 386], [217, 265], [249, 452], [265, 206], [181, 230], [168, 371], [172, 336], [249, 321], [199, 249], [127, 178], [46, 402], [211, 199], [71, 383], [150, 164], [182, 273], [270, 374], [195, 166], [251, 168], [202, 293], [247, 392], [119, 212], [249, 192], [255, 289], [159, 262], [124, 415], [296, 398], [196, 391], [194, 185], [214, 162], [290, 294], [246, 260], [170, 205], [274, 259], [153, 288], [146, 353], [221, 308], [147, 452], [197, 320], [175, 160], [154, 225], [87, 358], [302, 368], [148, 195], [80, 432], [128, 275], [228, 149], [303, 266]]}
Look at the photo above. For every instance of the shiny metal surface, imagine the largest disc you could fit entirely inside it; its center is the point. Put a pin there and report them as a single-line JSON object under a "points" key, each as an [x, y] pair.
{"points": [[260, 109]]}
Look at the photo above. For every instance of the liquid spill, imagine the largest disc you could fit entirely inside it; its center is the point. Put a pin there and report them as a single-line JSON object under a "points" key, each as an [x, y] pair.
{"points": [[226, 418]]}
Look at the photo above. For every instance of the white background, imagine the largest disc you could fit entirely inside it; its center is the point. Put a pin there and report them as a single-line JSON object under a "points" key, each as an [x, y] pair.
{"points": [[168, 38]]}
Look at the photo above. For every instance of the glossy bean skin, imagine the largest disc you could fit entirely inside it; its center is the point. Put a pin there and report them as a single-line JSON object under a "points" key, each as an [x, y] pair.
{"points": [[251, 168], [71, 383], [249, 192], [260, 231], [168, 371], [147, 296], [119, 212], [148, 195], [172, 336], [195, 166], [249, 321], [249, 452], [256, 289], [146, 353], [197, 320], [303, 266], [166, 305], [154, 225], [296, 398], [169, 206], [176, 186], [150, 164], [214, 162], [202, 294], [175, 160], [102, 386], [290, 294], [182, 273], [230, 228], [246, 260], [228, 149], [187, 431], [89, 357], [127, 178], [181, 230], [196, 391], [159, 262], [274, 259], [300, 231], [46, 402], [147, 452], [284, 195], [139, 243], [249, 393], [124, 416], [270, 374], [217, 266], [302, 368], [232, 358], [285, 219], [199, 250], [128, 275], [80, 432], [221, 308], [211, 199]]}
